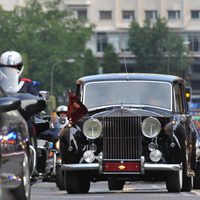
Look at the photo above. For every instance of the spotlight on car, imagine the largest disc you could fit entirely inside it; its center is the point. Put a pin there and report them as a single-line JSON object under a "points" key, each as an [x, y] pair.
{"points": [[151, 127], [155, 155], [92, 128], [88, 156], [151, 146], [93, 147]]}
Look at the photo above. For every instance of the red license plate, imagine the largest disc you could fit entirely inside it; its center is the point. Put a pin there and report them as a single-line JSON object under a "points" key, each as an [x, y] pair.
{"points": [[125, 166]]}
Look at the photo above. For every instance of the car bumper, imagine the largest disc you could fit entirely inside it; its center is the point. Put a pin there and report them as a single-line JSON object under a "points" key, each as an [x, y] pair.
{"points": [[144, 167]]}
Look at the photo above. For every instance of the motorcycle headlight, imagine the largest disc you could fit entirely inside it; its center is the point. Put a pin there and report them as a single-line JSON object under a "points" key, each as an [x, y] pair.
{"points": [[151, 127], [92, 128]]}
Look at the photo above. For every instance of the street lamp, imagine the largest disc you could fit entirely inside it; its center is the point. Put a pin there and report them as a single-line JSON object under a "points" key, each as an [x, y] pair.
{"points": [[70, 60]]}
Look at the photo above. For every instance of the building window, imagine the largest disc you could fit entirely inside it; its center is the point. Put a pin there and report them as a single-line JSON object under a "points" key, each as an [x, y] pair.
{"points": [[82, 14], [195, 68], [151, 14], [194, 43], [105, 15], [123, 42], [173, 14], [128, 14], [102, 42], [195, 84], [195, 14]]}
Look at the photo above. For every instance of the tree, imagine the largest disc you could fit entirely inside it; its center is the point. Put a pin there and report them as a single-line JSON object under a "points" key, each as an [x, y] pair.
{"points": [[157, 49], [46, 33], [90, 63], [110, 61]]}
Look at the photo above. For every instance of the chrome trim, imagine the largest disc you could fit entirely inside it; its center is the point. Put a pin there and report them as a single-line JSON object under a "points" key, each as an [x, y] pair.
{"points": [[100, 163], [162, 167], [142, 162], [122, 138], [54, 163], [34, 158], [80, 166]]}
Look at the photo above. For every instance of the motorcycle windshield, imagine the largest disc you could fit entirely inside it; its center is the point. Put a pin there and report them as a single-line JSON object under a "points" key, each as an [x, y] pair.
{"points": [[9, 79]]}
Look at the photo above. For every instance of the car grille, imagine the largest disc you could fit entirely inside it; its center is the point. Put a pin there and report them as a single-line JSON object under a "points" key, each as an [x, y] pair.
{"points": [[122, 138]]}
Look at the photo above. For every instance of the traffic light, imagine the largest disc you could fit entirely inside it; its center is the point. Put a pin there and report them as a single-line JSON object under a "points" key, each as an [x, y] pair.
{"points": [[188, 92]]}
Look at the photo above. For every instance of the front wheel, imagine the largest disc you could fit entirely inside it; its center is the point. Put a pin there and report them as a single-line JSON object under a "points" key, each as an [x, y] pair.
{"points": [[174, 181], [187, 184], [196, 179], [75, 183], [23, 191], [115, 184], [60, 178]]}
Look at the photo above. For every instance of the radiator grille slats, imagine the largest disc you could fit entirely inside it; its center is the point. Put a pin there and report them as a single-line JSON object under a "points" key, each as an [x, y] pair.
{"points": [[121, 138]]}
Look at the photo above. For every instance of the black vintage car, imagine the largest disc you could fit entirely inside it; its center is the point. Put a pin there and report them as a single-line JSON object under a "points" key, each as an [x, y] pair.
{"points": [[16, 150], [137, 127]]}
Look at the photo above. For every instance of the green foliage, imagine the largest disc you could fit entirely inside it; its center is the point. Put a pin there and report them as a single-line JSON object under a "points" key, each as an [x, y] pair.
{"points": [[47, 34], [110, 61], [157, 49], [90, 63]]}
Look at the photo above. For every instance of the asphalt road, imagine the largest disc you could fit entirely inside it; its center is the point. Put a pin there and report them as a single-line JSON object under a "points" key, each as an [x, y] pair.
{"points": [[99, 191]]}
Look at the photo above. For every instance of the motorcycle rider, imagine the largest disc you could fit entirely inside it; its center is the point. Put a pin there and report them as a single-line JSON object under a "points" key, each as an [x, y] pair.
{"points": [[50, 137], [11, 68], [61, 119]]}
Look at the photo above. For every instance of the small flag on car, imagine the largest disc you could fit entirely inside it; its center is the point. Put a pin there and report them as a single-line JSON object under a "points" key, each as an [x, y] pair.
{"points": [[76, 109]]}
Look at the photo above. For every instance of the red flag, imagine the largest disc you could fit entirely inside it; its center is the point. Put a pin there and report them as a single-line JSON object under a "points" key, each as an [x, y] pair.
{"points": [[76, 109]]}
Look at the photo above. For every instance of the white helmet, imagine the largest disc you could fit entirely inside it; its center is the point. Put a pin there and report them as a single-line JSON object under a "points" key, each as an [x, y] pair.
{"points": [[12, 59], [60, 109], [11, 67], [61, 120]]}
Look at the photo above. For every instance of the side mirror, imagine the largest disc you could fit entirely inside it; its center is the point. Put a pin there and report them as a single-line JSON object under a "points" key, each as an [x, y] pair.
{"points": [[188, 92], [9, 103]]}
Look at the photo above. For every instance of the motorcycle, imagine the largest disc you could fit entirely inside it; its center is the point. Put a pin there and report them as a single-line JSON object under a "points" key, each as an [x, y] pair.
{"points": [[30, 106], [49, 161]]}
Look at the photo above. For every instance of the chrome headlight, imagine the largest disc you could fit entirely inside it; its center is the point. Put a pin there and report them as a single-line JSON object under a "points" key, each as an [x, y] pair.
{"points": [[155, 155], [151, 127], [88, 156], [92, 128]]}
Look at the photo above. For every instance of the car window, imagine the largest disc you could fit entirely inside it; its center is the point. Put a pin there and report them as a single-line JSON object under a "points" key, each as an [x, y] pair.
{"points": [[178, 101], [142, 93]]}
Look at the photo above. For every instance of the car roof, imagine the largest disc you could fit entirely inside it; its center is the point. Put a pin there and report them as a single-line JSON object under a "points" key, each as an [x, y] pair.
{"points": [[131, 76]]}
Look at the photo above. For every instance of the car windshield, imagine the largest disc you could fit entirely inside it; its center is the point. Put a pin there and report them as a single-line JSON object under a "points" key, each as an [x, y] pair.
{"points": [[134, 93]]}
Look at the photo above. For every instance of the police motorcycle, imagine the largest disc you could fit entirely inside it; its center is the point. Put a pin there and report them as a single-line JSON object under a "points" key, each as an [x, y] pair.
{"points": [[11, 67], [49, 161]]}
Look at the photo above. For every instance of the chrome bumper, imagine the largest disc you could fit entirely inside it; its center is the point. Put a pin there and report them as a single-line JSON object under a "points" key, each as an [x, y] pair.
{"points": [[98, 167], [80, 167]]}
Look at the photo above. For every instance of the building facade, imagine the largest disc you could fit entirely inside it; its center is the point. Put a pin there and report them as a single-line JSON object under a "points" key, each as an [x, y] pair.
{"points": [[112, 19]]}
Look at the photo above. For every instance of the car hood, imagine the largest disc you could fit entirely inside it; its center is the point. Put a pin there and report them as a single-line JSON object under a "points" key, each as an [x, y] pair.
{"points": [[131, 112]]}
